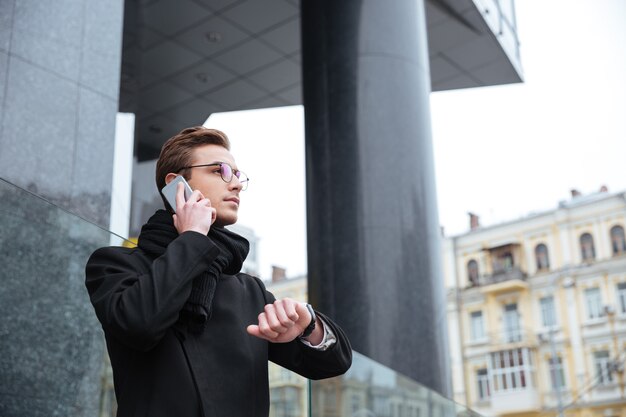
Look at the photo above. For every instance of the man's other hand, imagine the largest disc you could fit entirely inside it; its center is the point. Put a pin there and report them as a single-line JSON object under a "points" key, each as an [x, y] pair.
{"points": [[195, 214], [285, 320]]}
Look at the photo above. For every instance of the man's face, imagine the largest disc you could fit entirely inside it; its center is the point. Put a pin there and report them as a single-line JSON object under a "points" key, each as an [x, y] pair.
{"points": [[224, 196]]}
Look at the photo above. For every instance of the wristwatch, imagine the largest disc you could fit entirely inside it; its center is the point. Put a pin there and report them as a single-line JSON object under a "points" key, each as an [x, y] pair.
{"points": [[309, 329]]}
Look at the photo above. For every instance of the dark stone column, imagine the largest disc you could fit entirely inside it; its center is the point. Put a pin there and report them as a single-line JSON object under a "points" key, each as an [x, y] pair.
{"points": [[373, 229]]}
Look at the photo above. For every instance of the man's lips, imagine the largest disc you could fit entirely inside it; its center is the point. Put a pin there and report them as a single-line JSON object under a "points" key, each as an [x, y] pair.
{"points": [[233, 199]]}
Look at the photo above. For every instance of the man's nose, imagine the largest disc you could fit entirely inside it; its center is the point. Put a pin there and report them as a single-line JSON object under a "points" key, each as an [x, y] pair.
{"points": [[235, 183]]}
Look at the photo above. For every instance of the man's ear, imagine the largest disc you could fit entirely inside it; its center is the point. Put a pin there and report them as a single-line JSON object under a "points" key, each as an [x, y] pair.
{"points": [[169, 177]]}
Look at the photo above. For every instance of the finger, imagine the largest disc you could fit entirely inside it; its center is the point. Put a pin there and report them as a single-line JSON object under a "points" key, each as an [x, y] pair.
{"points": [[290, 309], [180, 195], [196, 196], [272, 319], [282, 314], [213, 215], [205, 202], [254, 330], [303, 312], [265, 329]]}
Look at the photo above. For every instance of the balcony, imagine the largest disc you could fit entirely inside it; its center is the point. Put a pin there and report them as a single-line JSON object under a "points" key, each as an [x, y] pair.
{"points": [[514, 338], [509, 279], [516, 401]]}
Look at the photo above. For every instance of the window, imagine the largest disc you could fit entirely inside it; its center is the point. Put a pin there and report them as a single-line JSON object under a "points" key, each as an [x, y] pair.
{"points": [[356, 403], [472, 272], [587, 249], [512, 331], [541, 255], [548, 313], [511, 370], [602, 362], [557, 376], [477, 327], [618, 241], [285, 401], [482, 384], [380, 404], [330, 399], [594, 303], [621, 297], [502, 262]]}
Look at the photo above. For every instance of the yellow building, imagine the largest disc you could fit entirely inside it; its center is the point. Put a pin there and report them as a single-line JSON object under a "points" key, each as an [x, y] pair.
{"points": [[537, 311], [288, 390]]}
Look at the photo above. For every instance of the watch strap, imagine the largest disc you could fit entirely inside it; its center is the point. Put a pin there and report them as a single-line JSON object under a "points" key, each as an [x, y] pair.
{"points": [[309, 329]]}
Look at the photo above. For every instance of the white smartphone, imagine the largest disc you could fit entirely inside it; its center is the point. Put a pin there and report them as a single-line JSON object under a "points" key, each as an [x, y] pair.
{"points": [[169, 191]]}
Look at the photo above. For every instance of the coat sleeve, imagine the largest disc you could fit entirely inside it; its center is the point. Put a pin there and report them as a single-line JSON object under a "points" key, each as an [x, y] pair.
{"points": [[137, 299], [310, 362]]}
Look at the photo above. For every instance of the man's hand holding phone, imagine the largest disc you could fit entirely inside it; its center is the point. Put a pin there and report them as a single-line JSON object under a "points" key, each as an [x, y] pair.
{"points": [[196, 214]]}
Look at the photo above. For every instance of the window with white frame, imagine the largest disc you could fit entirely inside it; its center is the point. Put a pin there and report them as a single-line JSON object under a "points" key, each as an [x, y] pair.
{"points": [[548, 312], [557, 375], [593, 300], [511, 370], [621, 297], [602, 363], [482, 384], [477, 326], [512, 330]]}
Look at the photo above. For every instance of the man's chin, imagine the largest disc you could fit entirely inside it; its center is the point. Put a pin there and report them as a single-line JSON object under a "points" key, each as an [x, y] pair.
{"points": [[222, 221]]}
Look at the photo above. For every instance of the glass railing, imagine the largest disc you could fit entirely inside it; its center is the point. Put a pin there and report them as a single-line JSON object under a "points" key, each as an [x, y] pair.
{"points": [[52, 356], [370, 389], [51, 346]]}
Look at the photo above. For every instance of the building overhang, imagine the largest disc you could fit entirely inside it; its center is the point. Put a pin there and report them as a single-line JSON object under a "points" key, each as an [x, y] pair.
{"points": [[184, 60]]}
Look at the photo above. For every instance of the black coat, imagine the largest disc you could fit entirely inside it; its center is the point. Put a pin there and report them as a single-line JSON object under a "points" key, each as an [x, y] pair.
{"points": [[162, 369]]}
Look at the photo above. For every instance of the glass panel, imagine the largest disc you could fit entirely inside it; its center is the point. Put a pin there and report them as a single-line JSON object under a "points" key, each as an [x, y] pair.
{"points": [[54, 332], [288, 392], [370, 389], [508, 11]]}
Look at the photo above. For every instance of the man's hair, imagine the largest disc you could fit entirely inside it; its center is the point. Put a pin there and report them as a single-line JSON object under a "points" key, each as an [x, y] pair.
{"points": [[177, 152]]}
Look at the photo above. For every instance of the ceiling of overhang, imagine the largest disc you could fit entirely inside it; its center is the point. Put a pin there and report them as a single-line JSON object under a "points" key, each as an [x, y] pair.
{"points": [[197, 57]]}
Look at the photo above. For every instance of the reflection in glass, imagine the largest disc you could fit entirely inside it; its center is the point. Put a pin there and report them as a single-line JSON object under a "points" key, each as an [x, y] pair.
{"points": [[370, 389], [54, 363]]}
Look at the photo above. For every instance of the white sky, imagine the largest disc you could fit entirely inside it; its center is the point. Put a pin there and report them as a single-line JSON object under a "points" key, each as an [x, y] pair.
{"points": [[500, 152]]}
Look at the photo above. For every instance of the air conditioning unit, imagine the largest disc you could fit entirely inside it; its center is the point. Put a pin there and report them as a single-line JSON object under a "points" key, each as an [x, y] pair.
{"points": [[609, 309]]}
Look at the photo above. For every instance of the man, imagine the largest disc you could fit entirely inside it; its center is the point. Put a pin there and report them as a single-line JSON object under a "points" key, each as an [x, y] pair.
{"points": [[187, 333]]}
